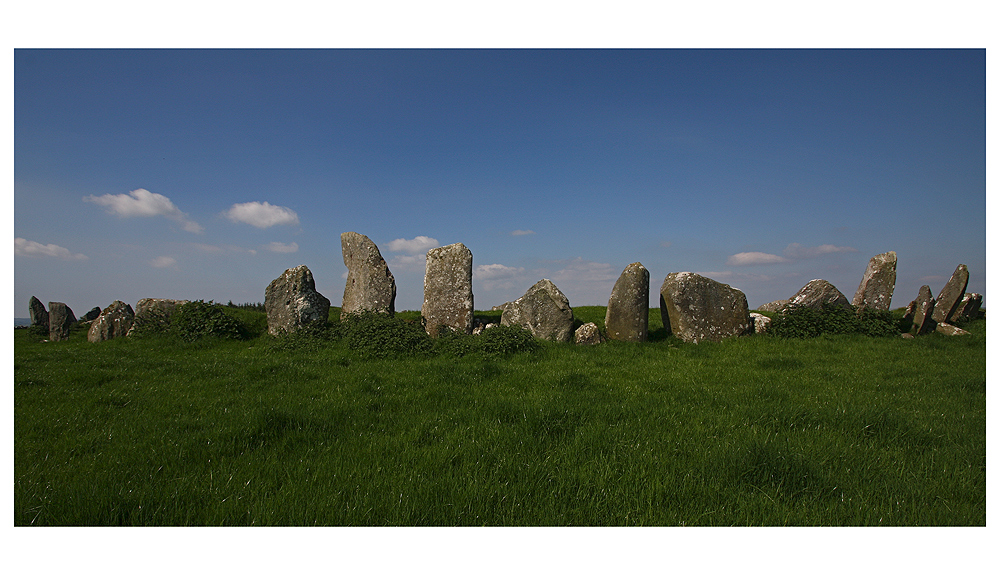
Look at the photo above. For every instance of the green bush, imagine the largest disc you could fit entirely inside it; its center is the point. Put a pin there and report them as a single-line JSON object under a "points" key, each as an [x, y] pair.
{"points": [[152, 322], [197, 319], [503, 340], [806, 322], [380, 335]]}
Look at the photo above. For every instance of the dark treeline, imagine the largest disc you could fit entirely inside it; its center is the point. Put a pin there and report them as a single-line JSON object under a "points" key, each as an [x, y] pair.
{"points": [[251, 306]]}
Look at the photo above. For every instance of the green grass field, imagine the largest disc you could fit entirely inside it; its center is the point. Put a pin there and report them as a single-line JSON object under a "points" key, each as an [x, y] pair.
{"points": [[836, 430]]}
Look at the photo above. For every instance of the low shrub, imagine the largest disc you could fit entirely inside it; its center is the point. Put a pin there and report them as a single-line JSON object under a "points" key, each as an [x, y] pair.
{"points": [[503, 340], [380, 335], [197, 319], [806, 322]]}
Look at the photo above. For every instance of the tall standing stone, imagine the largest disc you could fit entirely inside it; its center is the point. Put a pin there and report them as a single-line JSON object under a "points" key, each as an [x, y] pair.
{"points": [[627, 317], [817, 293], [923, 310], [878, 283], [39, 317], [950, 295], [292, 302], [115, 321], [60, 318], [696, 308], [448, 299], [543, 310], [370, 285]]}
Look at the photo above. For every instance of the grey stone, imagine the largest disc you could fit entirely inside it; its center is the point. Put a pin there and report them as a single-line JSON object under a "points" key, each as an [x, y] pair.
{"points": [[968, 308], [370, 285], [923, 310], [878, 283], [760, 322], [948, 329], [627, 316], [114, 321], [818, 292], [39, 317], [151, 310], [91, 315], [544, 311], [777, 305], [292, 302], [588, 334], [906, 335], [696, 308], [950, 295], [448, 299], [60, 318]]}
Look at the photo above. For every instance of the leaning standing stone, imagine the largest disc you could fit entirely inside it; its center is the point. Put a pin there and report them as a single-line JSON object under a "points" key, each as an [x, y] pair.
{"points": [[448, 290], [370, 284], [114, 321], [923, 309], [543, 310], [627, 317], [91, 315], [818, 292], [60, 318], [969, 308], [950, 295], [39, 317], [878, 283], [697, 308], [292, 302]]}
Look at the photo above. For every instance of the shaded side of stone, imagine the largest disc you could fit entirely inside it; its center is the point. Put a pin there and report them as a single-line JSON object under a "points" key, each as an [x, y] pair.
{"points": [[923, 310], [292, 302], [114, 321], [627, 316], [696, 308], [950, 295], [544, 311], [91, 315], [60, 318], [39, 317], [878, 283], [370, 285], [448, 299], [968, 308]]}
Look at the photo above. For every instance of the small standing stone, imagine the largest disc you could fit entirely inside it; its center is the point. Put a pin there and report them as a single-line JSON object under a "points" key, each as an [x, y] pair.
{"points": [[951, 294], [292, 302], [760, 322], [448, 299], [588, 334], [627, 316], [878, 283], [543, 310], [923, 310], [60, 318], [115, 321], [39, 317], [370, 285]]}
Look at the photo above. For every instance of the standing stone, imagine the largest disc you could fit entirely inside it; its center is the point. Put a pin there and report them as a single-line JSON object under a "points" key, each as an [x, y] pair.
{"points": [[923, 310], [39, 317], [91, 315], [776, 305], [448, 290], [292, 302], [627, 317], [370, 285], [543, 310], [60, 318], [115, 321], [949, 297], [154, 311], [588, 334], [697, 308], [818, 292], [968, 308], [760, 322], [878, 283]]}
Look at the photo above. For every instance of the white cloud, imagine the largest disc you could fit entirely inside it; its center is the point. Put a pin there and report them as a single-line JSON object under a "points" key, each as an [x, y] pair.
{"points": [[261, 215], [495, 271], [522, 233], [754, 258], [281, 248], [799, 251], [418, 245], [23, 247], [143, 203], [163, 262], [580, 270], [416, 262]]}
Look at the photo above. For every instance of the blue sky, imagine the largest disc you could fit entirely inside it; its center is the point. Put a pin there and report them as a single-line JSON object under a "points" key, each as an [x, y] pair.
{"points": [[204, 174]]}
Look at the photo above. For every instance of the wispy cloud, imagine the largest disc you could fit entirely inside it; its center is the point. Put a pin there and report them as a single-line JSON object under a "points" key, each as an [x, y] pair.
{"points": [[522, 233], [143, 203], [581, 270], [261, 215], [496, 276], [801, 252], [418, 245], [163, 262], [755, 258], [793, 252], [417, 262], [23, 247], [281, 248]]}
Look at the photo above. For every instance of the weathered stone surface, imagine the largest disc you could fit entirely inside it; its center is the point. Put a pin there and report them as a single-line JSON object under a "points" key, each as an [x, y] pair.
{"points": [[370, 284], [908, 314], [627, 317], [950, 295], [448, 299], [818, 292], [588, 334], [696, 308], [91, 315], [777, 305], [60, 318], [543, 310], [948, 329], [152, 310], [760, 322], [923, 309], [968, 308], [292, 302], [878, 283], [115, 321], [37, 312]]}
